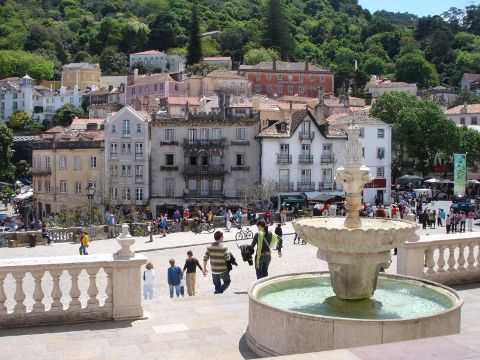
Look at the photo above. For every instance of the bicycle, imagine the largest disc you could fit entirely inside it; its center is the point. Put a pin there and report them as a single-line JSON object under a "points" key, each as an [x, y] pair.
{"points": [[174, 226], [244, 233], [203, 226]]}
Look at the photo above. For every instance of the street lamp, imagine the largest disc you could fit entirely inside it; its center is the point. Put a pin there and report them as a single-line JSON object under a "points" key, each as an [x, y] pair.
{"points": [[90, 189]]}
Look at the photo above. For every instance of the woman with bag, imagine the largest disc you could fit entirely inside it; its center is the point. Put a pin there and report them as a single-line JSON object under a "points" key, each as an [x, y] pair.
{"points": [[84, 243], [264, 240]]}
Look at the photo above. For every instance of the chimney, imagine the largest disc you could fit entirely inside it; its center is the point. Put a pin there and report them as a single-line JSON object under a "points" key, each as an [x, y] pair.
{"points": [[274, 64], [306, 63], [321, 96]]}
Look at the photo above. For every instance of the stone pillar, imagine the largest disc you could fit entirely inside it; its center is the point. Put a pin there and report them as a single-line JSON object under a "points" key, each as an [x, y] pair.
{"points": [[411, 261]]}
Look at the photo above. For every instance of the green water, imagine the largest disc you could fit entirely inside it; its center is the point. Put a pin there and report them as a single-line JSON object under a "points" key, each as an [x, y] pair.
{"points": [[393, 299]]}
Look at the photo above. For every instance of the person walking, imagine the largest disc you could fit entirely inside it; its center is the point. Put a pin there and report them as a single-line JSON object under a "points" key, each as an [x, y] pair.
{"points": [[148, 280], [279, 233], [174, 275], [238, 215], [448, 223], [228, 220], [150, 230], [264, 241], [470, 217], [218, 256], [462, 219], [164, 225], [46, 235], [190, 266], [440, 217], [283, 215], [111, 226], [84, 243]]}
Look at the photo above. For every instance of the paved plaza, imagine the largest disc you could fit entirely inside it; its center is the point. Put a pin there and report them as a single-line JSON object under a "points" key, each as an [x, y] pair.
{"points": [[209, 326]]}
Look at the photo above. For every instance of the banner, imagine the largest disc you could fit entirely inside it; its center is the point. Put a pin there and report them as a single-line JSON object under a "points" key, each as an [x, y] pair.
{"points": [[459, 173]]}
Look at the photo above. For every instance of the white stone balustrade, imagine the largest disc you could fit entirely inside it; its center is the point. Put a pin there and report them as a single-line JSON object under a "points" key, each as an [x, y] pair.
{"points": [[36, 291], [450, 259]]}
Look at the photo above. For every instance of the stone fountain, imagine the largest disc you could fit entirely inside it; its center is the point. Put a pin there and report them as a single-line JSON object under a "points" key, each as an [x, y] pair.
{"points": [[318, 311]]}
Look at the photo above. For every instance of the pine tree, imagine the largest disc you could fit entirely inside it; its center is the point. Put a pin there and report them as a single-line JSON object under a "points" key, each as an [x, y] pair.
{"points": [[277, 32], [194, 46]]}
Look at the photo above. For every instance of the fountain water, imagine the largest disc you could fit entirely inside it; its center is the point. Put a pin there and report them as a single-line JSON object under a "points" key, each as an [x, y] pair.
{"points": [[319, 311]]}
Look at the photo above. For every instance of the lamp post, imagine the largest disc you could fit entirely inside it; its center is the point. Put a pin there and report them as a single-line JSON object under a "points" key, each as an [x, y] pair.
{"points": [[90, 189]]}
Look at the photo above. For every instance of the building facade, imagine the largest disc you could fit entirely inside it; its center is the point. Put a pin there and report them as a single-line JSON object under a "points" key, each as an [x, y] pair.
{"points": [[468, 115], [141, 91], [222, 62], [127, 159], [153, 59], [203, 162], [82, 75], [288, 78], [64, 164]]}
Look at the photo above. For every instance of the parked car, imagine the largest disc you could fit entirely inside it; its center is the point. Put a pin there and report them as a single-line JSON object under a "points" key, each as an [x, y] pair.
{"points": [[465, 207], [4, 229]]}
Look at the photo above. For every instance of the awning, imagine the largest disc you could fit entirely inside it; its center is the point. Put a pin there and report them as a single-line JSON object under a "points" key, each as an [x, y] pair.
{"points": [[311, 194], [327, 196], [292, 198]]}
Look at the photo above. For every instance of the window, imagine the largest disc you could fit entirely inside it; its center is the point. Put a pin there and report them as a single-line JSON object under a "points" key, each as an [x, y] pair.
{"points": [[169, 160], [126, 148], [327, 148], [217, 185], [380, 153], [269, 89], [279, 76], [114, 128], [39, 186], [322, 77], [138, 172], [169, 134], [114, 191], [284, 176], [240, 159], [126, 194], [327, 175], [93, 162], [284, 149], [192, 184], [305, 149], [239, 187], [139, 128], [258, 88], [216, 160], [113, 150], [192, 134], [126, 127], [380, 171], [47, 186], [204, 187], [462, 121], [169, 187], [290, 77], [300, 89], [312, 77], [139, 194], [474, 120], [126, 170], [138, 150], [63, 186], [257, 76], [240, 134], [361, 133], [203, 134], [305, 175], [78, 187], [114, 170], [216, 134], [290, 89], [380, 133], [63, 162], [269, 77]]}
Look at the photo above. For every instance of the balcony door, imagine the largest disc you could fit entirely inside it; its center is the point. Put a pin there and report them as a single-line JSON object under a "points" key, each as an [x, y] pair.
{"points": [[327, 178], [284, 176], [203, 134], [204, 187], [305, 149], [306, 127], [306, 176], [284, 150]]}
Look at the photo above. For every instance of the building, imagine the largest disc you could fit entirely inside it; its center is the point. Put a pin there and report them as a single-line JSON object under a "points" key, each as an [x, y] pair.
{"points": [[105, 101], [218, 82], [87, 124], [288, 78], [127, 159], [203, 162], [379, 86], [468, 114], [115, 81], [222, 62], [469, 79], [82, 75], [64, 164], [154, 59]]}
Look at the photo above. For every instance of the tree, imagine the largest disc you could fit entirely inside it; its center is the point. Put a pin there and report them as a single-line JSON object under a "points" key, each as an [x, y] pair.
{"points": [[465, 97], [21, 169], [113, 62], [21, 121], [66, 113], [258, 193], [277, 29], [255, 56], [413, 68], [194, 46], [19, 63], [468, 141], [374, 66], [163, 32], [7, 169]]}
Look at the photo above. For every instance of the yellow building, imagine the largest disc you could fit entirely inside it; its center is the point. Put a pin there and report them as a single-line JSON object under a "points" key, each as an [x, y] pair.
{"points": [[81, 74], [65, 164]]}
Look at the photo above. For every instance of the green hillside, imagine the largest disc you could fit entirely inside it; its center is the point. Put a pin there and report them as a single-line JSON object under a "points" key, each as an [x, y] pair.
{"points": [[331, 33]]}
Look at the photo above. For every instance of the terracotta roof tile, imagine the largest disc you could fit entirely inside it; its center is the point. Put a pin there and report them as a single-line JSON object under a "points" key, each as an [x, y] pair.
{"points": [[149, 52], [469, 109], [283, 66], [180, 100]]}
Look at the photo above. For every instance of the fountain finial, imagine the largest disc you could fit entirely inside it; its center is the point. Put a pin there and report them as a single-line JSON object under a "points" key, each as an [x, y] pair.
{"points": [[353, 176]]}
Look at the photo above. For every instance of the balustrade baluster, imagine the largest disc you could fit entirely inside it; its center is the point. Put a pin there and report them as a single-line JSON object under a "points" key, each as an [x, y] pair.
{"points": [[471, 256], [19, 296], [109, 288], [441, 259], [429, 261], [451, 258], [461, 257], [478, 256], [92, 288], [56, 292], [3, 296], [75, 304], [38, 292]]}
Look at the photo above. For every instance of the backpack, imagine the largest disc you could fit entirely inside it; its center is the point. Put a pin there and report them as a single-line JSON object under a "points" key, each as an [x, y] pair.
{"points": [[274, 240]]}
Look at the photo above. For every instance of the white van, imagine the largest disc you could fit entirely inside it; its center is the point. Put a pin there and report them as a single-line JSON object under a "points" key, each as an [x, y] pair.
{"points": [[420, 192]]}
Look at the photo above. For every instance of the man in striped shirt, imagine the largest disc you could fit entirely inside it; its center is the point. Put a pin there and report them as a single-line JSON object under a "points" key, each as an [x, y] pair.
{"points": [[218, 255]]}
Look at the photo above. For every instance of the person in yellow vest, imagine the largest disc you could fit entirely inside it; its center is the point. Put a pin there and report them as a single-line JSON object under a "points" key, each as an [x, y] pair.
{"points": [[84, 243]]}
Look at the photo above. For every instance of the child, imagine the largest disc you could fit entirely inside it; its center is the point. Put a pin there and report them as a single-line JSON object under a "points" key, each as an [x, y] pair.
{"points": [[84, 244], [182, 286], [148, 278]]}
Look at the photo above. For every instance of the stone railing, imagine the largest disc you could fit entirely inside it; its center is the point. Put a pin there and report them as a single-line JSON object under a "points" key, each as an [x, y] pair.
{"points": [[36, 291], [449, 259]]}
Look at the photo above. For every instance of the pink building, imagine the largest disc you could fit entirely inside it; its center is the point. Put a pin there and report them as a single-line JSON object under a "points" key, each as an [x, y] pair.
{"points": [[147, 88]]}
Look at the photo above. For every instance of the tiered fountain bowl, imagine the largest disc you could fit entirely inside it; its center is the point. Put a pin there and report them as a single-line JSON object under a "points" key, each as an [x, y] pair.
{"points": [[351, 305]]}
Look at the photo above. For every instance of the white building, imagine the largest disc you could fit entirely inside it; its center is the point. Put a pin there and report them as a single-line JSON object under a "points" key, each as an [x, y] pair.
{"points": [[301, 154], [224, 62], [468, 114], [153, 59], [379, 86], [127, 159]]}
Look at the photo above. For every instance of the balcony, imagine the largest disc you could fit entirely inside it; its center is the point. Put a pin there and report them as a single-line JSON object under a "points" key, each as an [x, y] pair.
{"points": [[284, 159], [138, 179], [327, 159], [138, 156], [305, 186], [240, 168], [169, 168], [204, 194], [285, 186], [201, 143], [240, 142], [306, 135], [167, 143], [41, 171], [204, 170], [305, 159], [329, 186]]}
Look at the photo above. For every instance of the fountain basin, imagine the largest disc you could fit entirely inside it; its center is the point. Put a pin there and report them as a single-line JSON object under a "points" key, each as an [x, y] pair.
{"points": [[297, 313]]}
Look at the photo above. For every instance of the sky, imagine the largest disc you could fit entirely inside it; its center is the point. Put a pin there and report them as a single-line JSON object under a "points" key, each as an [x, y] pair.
{"points": [[417, 7]]}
